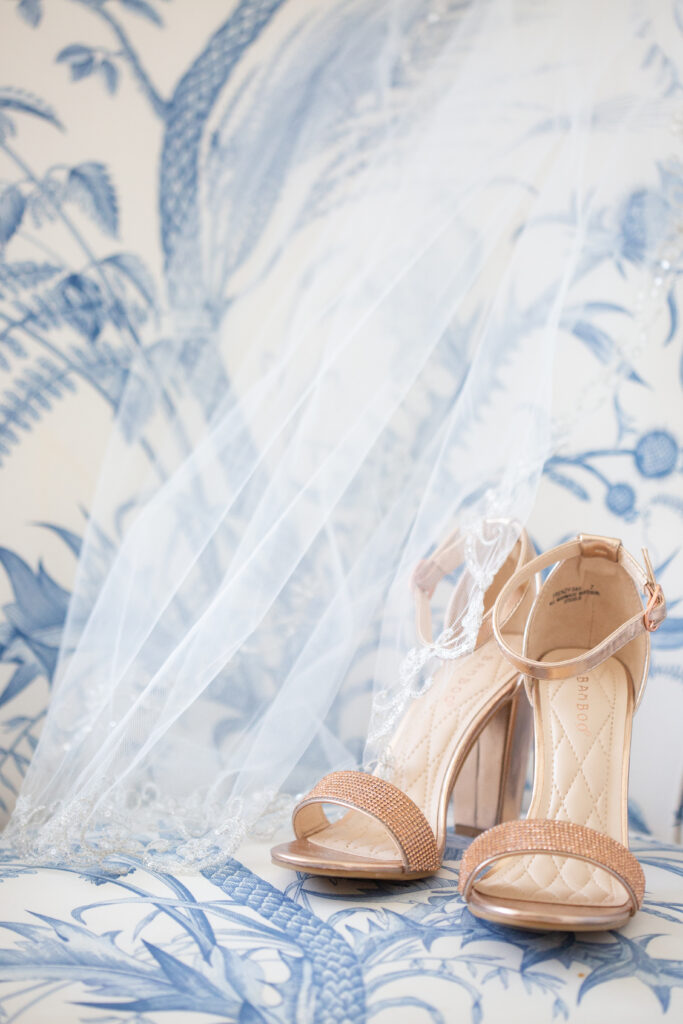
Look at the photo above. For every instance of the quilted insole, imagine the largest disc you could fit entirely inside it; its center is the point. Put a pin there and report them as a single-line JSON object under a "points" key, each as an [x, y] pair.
{"points": [[423, 747], [585, 729]]}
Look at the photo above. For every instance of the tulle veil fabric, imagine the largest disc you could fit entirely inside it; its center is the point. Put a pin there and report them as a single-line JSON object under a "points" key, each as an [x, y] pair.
{"points": [[403, 211]]}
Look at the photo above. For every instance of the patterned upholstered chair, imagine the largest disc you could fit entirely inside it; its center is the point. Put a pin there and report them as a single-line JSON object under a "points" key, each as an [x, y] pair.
{"points": [[249, 942]]}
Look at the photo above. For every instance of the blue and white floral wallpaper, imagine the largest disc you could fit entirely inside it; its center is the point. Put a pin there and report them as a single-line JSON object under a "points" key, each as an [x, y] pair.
{"points": [[106, 111]]}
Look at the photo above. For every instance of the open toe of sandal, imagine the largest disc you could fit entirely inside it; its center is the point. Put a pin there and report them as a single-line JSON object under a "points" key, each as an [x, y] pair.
{"points": [[384, 834], [551, 875], [314, 858]]}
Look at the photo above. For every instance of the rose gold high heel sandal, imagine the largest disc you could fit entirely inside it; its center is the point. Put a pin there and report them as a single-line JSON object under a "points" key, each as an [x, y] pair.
{"points": [[468, 734], [586, 651]]}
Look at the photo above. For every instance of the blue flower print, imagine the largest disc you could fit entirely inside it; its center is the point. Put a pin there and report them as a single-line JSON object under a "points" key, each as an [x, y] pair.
{"points": [[620, 499], [656, 454]]}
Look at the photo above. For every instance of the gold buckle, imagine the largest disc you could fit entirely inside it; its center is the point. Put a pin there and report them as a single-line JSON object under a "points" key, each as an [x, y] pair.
{"points": [[656, 594], [656, 598]]}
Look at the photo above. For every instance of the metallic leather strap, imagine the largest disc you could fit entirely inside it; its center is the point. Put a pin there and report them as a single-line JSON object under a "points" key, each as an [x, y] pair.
{"points": [[562, 838], [585, 546], [382, 801], [444, 560]]}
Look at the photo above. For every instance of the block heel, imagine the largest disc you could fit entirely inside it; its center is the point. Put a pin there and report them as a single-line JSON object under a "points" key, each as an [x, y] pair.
{"points": [[490, 785]]}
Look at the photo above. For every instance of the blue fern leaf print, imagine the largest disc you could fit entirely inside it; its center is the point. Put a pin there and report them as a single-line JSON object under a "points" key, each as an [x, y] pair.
{"points": [[12, 206], [33, 393], [24, 102], [90, 186], [12, 345], [31, 11], [46, 198], [143, 8], [24, 274]]}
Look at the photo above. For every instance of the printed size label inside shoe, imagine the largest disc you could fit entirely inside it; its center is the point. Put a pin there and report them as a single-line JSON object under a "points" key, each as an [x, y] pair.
{"points": [[567, 595]]}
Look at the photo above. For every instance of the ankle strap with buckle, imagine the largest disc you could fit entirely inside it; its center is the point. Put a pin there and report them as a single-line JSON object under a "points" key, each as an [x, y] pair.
{"points": [[586, 546]]}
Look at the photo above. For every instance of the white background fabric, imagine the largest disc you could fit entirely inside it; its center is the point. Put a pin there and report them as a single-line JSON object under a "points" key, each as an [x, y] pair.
{"points": [[619, 467]]}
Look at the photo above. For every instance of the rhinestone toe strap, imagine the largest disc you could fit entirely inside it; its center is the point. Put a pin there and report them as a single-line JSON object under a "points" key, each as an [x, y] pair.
{"points": [[382, 801], [563, 838]]}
